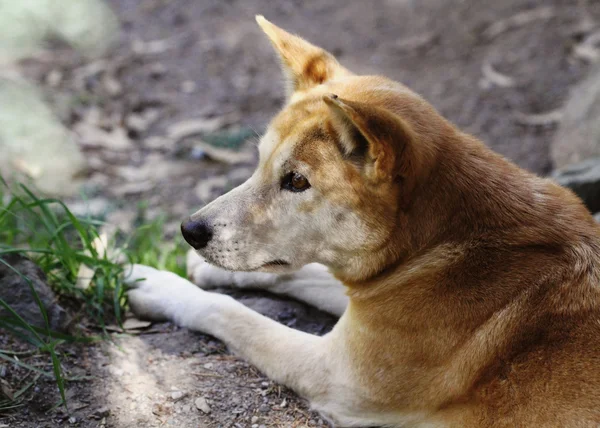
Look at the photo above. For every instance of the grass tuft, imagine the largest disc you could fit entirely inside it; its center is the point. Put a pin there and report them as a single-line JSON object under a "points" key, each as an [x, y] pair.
{"points": [[47, 232]]}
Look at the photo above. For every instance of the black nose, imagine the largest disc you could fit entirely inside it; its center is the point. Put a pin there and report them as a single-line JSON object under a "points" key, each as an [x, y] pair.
{"points": [[196, 233]]}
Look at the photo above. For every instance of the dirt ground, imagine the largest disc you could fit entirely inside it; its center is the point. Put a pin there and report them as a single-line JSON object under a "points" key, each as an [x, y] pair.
{"points": [[498, 69]]}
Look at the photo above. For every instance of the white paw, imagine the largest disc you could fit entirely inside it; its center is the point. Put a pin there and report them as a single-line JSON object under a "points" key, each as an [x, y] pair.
{"points": [[205, 275], [161, 295]]}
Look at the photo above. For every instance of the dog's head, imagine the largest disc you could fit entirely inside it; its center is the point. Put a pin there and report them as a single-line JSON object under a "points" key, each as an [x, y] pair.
{"points": [[338, 167]]}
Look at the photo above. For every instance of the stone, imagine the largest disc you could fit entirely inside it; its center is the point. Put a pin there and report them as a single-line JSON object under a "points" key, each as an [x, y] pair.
{"points": [[584, 179], [16, 292], [87, 25], [36, 147], [202, 405], [101, 413], [29, 148], [177, 395], [578, 135]]}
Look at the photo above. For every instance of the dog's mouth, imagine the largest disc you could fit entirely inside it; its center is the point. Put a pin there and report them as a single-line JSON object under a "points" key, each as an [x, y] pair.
{"points": [[276, 263], [273, 264]]}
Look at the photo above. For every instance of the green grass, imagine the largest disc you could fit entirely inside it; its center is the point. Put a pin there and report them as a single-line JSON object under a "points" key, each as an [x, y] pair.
{"points": [[46, 231]]}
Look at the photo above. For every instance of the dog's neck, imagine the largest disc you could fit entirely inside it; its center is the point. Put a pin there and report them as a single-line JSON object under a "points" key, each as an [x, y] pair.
{"points": [[472, 197], [483, 241]]}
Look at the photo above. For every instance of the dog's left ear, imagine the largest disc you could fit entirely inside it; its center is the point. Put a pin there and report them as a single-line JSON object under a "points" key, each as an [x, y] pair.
{"points": [[304, 64], [383, 144]]}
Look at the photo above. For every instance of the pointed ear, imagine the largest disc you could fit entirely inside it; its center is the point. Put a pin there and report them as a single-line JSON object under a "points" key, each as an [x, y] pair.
{"points": [[304, 64], [379, 140]]}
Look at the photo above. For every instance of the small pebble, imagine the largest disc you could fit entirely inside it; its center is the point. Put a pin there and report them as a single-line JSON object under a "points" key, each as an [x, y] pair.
{"points": [[188, 86], [202, 405], [254, 419], [102, 412], [177, 395], [264, 408]]}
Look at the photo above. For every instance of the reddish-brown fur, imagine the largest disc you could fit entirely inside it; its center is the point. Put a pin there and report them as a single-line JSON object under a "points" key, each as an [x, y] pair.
{"points": [[484, 288]]}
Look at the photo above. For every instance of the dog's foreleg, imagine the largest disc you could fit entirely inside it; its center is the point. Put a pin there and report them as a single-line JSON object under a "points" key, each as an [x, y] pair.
{"points": [[312, 284], [288, 356]]}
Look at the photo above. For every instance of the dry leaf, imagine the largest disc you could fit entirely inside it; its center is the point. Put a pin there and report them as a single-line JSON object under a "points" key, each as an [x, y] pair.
{"points": [[140, 122], [85, 273], [540, 119], [141, 47], [588, 50], [135, 324], [494, 77], [111, 85], [518, 20], [84, 277], [187, 128], [224, 155], [158, 143], [92, 136], [6, 390], [133, 188]]}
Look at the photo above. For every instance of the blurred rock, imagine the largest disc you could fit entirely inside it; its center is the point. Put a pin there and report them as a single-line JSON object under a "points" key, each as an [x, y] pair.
{"points": [[202, 405], [16, 292], [578, 136], [88, 25], [34, 143], [584, 179]]}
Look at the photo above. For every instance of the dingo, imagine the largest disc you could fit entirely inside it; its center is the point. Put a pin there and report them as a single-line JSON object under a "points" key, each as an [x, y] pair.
{"points": [[468, 289]]}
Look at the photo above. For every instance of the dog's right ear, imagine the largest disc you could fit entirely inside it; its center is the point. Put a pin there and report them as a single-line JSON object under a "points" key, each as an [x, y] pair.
{"points": [[379, 141], [304, 64]]}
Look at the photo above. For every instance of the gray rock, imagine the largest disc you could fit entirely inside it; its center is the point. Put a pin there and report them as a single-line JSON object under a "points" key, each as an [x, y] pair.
{"points": [[16, 292], [584, 179], [30, 148], [202, 405], [578, 136]]}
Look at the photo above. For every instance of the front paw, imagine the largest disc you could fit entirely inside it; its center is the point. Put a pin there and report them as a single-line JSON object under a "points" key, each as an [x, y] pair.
{"points": [[164, 296], [157, 295]]}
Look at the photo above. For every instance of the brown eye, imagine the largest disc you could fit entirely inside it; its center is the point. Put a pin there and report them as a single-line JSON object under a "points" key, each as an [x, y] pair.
{"points": [[295, 182]]}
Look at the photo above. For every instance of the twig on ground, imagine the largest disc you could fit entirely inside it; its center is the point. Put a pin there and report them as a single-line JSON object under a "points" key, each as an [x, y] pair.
{"points": [[491, 76], [588, 49], [518, 20], [539, 119]]}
